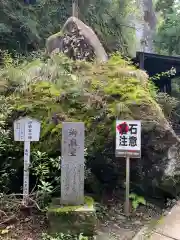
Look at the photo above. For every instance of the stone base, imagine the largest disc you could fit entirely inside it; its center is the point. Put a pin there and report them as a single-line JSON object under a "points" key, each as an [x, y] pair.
{"points": [[72, 219]]}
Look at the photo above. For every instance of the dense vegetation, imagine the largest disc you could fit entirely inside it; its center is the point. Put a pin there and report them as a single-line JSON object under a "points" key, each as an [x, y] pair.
{"points": [[40, 87], [58, 89], [22, 25], [167, 38], [55, 89]]}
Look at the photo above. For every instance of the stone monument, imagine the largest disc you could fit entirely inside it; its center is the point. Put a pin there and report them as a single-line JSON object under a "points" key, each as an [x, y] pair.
{"points": [[72, 164], [73, 213]]}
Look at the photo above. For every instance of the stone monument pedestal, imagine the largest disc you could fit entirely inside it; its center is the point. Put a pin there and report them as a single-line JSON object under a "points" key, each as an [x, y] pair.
{"points": [[72, 219]]}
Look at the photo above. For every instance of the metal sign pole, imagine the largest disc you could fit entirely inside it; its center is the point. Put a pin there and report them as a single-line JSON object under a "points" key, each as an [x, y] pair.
{"points": [[127, 185], [26, 172]]}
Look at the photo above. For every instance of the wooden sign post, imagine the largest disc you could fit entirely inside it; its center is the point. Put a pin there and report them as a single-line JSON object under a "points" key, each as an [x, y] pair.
{"points": [[26, 130], [128, 145], [72, 163]]}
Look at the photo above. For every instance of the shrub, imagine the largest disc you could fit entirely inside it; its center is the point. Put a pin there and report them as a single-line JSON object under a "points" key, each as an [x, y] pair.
{"points": [[59, 89]]}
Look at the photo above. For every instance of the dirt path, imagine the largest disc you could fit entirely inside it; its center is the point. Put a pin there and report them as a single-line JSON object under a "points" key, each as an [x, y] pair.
{"points": [[113, 224]]}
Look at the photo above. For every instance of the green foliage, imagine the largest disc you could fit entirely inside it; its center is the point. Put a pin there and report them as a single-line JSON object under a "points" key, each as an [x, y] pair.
{"points": [[47, 174], [88, 201], [167, 37], [58, 89], [42, 165], [165, 6], [22, 25], [169, 73], [10, 153], [167, 103], [111, 22], [62, 236], [137, 200], [175, 93], [101, 211]]}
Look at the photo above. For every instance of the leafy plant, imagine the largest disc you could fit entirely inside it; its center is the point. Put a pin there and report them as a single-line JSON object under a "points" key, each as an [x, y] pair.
{"points": [[47, 173], [45, 168], [136, 200], [167, 103], [45, 187], [58, 89], [109, 19], [62, 236], [169, 73]]}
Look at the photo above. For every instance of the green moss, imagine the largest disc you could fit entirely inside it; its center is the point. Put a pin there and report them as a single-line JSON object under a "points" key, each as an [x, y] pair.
{"points": [[96, 95], [73, 219], [88, 201]]}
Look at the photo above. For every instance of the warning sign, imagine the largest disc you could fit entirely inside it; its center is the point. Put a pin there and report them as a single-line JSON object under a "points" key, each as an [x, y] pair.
{"points": [[128, 138]]}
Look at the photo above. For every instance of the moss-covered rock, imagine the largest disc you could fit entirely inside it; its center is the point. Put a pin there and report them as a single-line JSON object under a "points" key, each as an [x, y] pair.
{"points": [[97, 94], [72, 219], [77, 41]]}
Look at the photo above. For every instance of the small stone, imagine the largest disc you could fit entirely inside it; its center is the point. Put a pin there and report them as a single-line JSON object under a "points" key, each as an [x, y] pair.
{"points": [[121, 217], [27, 219], [137, 222]]}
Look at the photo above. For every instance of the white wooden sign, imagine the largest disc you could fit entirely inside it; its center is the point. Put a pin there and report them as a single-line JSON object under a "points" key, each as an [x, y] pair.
{"points": [[26, 130], [72, 163], [128, 138], [128, 145]]}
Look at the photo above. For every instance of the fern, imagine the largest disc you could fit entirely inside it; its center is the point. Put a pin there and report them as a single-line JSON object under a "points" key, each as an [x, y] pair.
{"points": [[78, 91], [136, 200]]}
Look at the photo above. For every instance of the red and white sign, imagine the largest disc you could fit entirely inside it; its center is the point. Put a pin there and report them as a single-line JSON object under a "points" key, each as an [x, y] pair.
{"points": [[128, 138]]}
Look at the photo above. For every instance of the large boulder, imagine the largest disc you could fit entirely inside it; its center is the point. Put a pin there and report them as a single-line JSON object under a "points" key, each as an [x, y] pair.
{"points": [[76, 40], [158, 170], [98, 94]]}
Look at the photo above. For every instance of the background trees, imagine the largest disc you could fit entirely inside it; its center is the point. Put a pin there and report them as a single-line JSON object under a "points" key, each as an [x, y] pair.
{"points": [[25, 26], [167, 39]]}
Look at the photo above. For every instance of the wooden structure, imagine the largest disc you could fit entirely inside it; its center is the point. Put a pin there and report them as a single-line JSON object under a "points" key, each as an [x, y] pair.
{"points": [[154, 64]]}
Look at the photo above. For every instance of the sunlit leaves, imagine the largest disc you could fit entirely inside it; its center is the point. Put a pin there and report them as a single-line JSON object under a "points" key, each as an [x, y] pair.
{"points": [[167, 40]]}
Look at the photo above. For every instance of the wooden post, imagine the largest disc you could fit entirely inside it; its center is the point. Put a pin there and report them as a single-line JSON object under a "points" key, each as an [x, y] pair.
{"points": [[26, 172], [141, 59], [127, 185], [125, 129], [26, 130]]}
